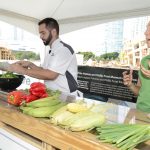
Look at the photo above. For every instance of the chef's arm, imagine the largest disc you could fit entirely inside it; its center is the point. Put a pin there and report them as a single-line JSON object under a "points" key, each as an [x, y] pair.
{"points": [[35, 72], [27, 64], [41, 73]]}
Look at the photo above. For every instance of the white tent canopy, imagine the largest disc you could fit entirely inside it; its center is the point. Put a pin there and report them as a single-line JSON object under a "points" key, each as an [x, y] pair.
{"points": [[71, 14]]}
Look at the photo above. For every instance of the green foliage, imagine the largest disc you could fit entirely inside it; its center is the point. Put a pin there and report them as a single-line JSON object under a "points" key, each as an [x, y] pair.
{"points": [[21, 55], [87, 55], [97, 58], [109, 56]]}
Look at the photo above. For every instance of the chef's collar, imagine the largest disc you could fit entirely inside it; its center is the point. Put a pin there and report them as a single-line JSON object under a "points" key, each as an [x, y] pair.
{"points": [[54, 44]]}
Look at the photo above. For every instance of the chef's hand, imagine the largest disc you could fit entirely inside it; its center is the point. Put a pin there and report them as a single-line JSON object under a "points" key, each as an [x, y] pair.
{"points": [[16, 68], [25, 64], [144, 71], [127, 78]]}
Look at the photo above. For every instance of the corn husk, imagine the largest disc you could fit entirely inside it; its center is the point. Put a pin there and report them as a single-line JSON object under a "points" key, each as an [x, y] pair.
{"points": [[70, 119], [87, 122]]}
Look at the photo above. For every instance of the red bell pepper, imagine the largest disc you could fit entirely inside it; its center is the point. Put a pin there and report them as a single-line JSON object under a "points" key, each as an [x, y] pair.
{"points": [[37, 84], [30, 98], [38, 94], [44, 95], [15, 98], [37, 89]]}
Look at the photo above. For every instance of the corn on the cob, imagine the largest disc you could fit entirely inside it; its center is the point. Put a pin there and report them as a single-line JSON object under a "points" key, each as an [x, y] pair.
{"points": [[26, 109], [59, 118], [60, 110], [87, 122], [74, 117], [76, 107], [43, 103], [59, 115], [44, 111]]}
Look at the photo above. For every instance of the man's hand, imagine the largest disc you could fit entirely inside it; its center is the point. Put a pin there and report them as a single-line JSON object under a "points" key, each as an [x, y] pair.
{"points": [[25, 64], [28, 65], [127, 78], [16, 68]]}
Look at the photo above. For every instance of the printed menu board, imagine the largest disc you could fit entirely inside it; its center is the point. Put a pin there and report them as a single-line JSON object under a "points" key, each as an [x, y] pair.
{"points": [[106, 82]]}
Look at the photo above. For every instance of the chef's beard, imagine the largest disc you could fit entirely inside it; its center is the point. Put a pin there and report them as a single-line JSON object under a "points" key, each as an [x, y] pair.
{"points": [[47, 41]]}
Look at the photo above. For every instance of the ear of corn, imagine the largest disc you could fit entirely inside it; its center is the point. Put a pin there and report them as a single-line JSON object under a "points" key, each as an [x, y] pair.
{"points": [[43, 99], [70, 119], [25, 109], [59, 115], [76, 107], [87, 122], [59, 111], [57, 119], [43, 103], [44, 111]]}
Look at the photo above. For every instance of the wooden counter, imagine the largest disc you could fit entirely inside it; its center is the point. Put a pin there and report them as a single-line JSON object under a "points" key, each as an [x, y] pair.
{"points": [[55, 136]]}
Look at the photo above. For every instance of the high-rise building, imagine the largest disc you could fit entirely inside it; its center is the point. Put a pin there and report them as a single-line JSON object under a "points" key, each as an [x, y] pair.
{"points": [[134, 28], [124, 30], [135, 47], [113, 36]]}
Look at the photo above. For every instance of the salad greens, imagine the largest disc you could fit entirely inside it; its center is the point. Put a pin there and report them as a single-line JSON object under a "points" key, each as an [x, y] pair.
{"points": [[8, 75]]}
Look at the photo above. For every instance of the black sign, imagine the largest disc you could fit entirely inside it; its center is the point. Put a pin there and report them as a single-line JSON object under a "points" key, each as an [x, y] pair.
{"points": [[106, 82]]}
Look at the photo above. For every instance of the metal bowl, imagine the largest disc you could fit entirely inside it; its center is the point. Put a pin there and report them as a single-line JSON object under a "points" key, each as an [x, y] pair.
{"points": [[10, 84]]}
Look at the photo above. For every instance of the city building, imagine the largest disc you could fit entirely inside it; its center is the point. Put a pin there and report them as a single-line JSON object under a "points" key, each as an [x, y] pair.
{"points": [[113, 36], [6, 54], [134, 45], [16, 38], [133, 52]]}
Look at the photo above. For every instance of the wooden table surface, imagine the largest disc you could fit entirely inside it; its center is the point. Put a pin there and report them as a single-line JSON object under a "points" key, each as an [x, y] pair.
{"points": [[64, 139]]}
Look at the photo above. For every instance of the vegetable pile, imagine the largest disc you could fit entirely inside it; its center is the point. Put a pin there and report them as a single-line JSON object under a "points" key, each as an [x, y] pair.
{"points": [[124, 136], [77, 117], [43, 107], [72, 116], [36, 91], [41, 102]]}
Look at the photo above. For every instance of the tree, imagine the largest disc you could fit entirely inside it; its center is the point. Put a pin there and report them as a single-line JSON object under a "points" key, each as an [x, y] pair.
{"points": [[21, 55], [87, 55], [110, 56], [106, 56]]}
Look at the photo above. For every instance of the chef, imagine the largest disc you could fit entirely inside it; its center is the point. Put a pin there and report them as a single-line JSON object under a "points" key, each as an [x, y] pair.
{"points": [[59, 69]]}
